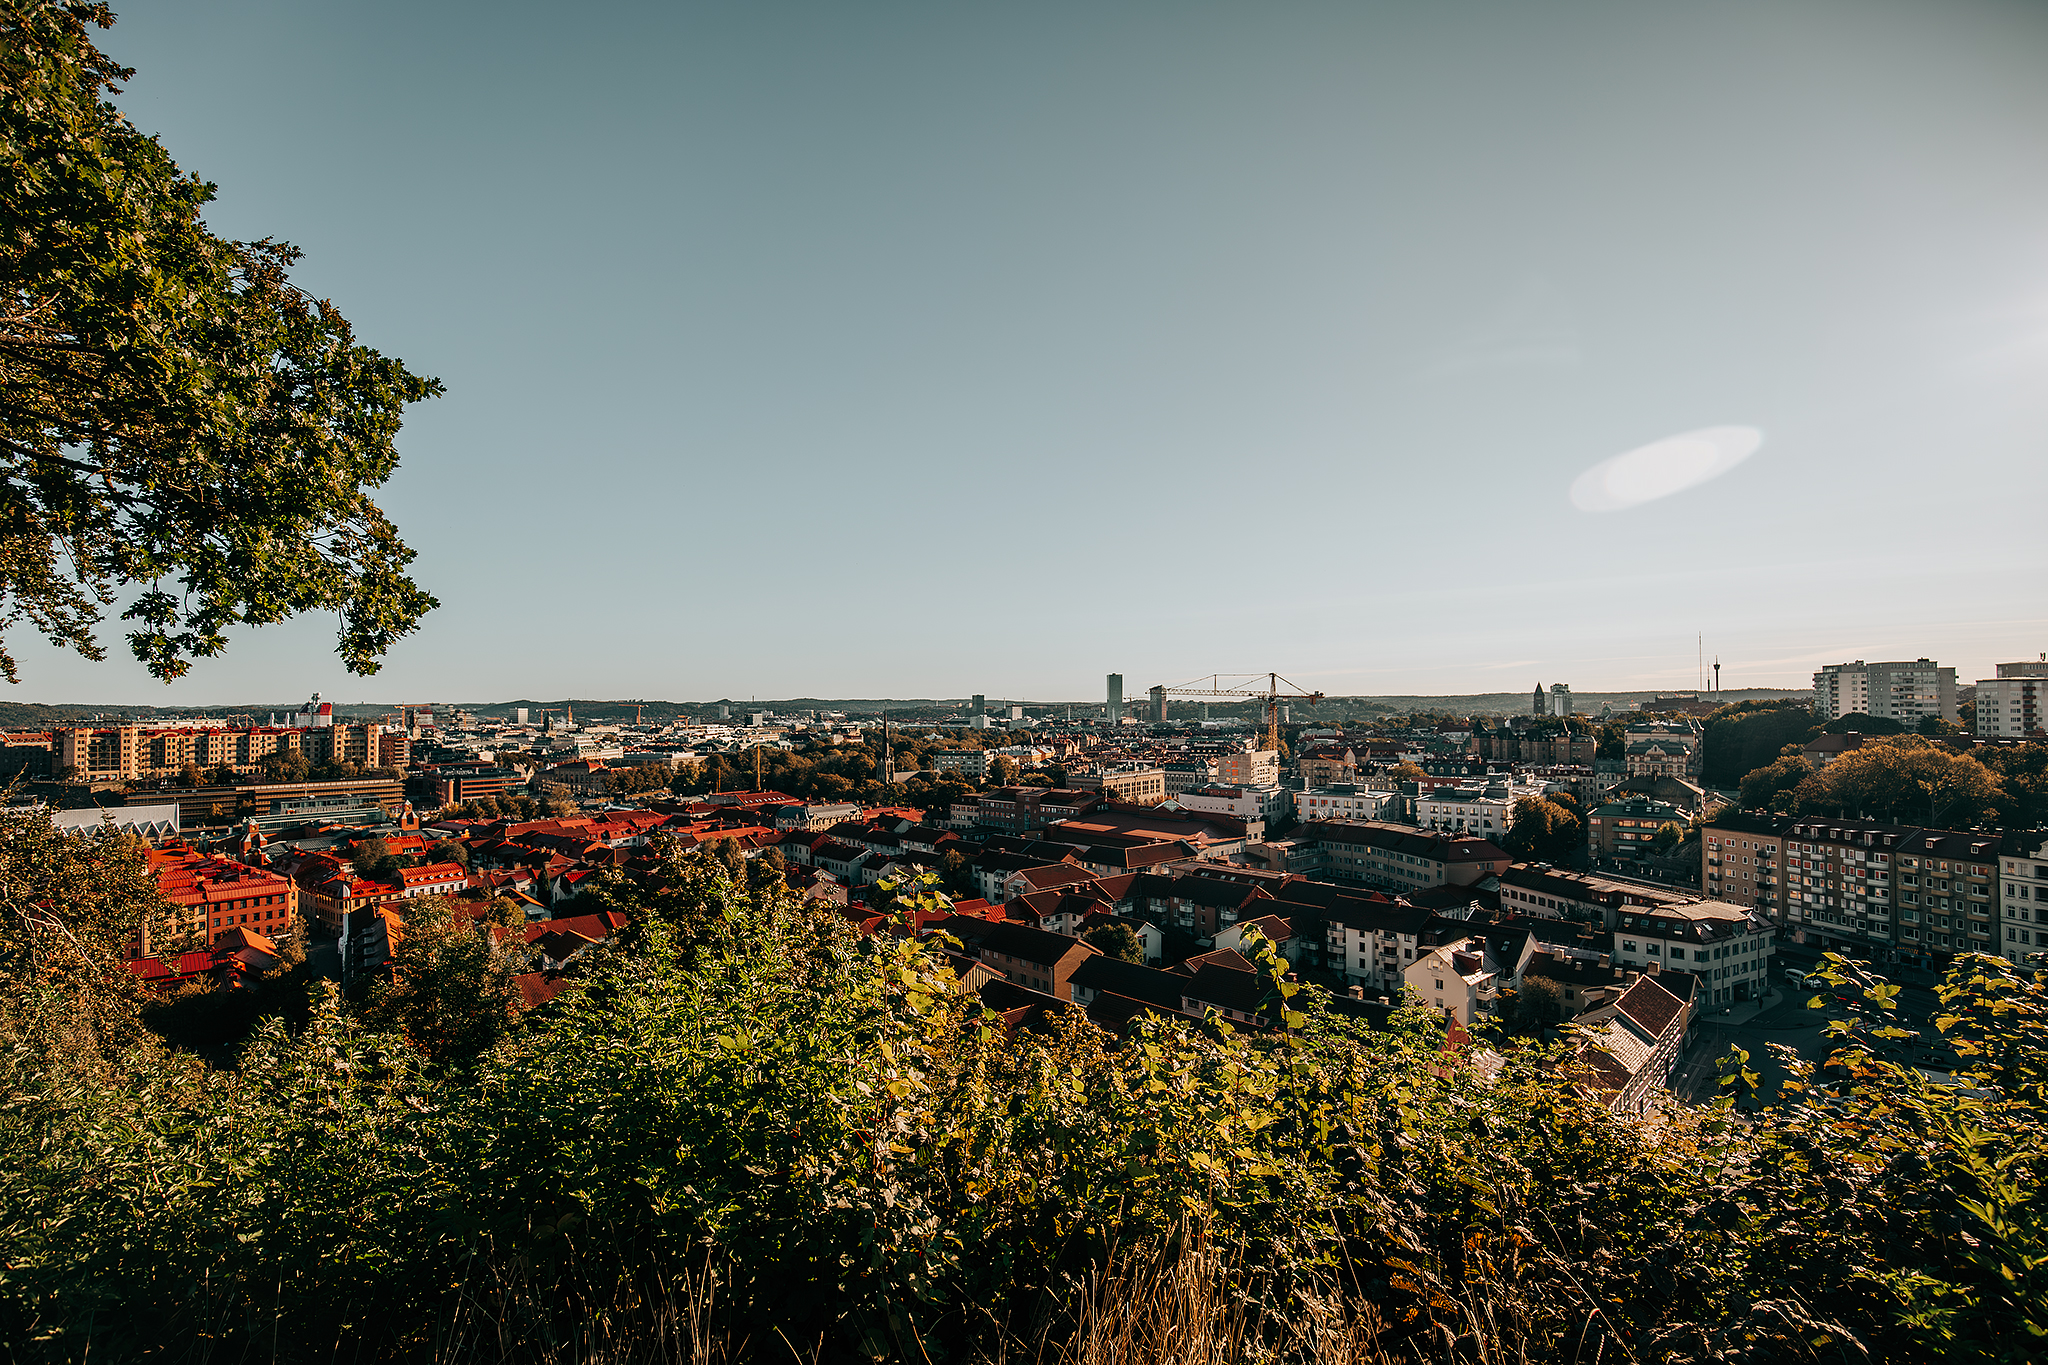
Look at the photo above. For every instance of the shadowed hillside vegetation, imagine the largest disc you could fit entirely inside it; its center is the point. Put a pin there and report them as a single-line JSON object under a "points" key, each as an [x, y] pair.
{"points": [[750, 1133]]}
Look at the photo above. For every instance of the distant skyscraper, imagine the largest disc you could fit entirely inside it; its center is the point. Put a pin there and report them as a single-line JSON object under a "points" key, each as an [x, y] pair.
{"points": [[1116, 699]]}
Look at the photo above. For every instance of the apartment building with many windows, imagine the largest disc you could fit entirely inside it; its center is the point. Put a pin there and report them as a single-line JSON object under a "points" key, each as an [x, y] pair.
{"points": [[1742, 861], [2014, 704], [1907, 691], [2023, 897], [1891, 893]]}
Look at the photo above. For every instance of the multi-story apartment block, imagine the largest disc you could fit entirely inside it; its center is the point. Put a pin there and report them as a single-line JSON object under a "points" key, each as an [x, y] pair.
{"points": [[2014, 705], [1625, 828], [1249, 768], [1487, 811], [2023, 897], [1904, 691], [211, 896], [129, 753], [1374, 945], [1947, 894], [1889, 892], [1398, 858], [1726, 946], [1327, 766], [972, 762], [1137, 784], [1742, 861], [1344, 801], [1186, 774]]}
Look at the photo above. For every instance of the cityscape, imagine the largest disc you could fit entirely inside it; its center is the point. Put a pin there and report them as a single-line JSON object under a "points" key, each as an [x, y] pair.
{"points": [[1551, 854], [613, 747]]}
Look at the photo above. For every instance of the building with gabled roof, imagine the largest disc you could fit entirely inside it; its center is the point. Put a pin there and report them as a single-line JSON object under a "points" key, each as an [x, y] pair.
{"points": [[1030, 957], [1629, 1049], [211, 895]]}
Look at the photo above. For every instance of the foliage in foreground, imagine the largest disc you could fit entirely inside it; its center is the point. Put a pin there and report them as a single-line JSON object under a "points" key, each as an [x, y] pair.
{"points": [[827, 1150]]}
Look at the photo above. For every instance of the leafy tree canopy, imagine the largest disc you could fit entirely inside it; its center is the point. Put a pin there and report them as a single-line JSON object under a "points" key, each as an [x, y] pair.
{"points": [[1118, 940], [175, 416]]}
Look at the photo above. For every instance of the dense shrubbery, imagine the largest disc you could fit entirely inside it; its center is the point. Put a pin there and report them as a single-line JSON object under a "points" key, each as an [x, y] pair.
{"points": [[752, 1124]]}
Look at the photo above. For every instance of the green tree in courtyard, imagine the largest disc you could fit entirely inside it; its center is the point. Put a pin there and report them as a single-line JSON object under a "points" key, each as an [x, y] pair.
{"points": [[1119, 941]]}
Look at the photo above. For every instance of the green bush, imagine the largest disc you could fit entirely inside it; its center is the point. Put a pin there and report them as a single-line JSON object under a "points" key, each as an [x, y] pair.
{"points": [[815, 1137]]}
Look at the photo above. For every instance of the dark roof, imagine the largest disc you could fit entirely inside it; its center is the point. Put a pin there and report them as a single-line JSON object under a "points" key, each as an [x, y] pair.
{"points": [[1202, 891], [1147, 984], [1373, 1013], [1048, 875], [1444, 848], [1583, 972], [1020, 1006], [1650, 1005], [1225, 959], [1026, 944], [1228, 988], [1450, 896]]}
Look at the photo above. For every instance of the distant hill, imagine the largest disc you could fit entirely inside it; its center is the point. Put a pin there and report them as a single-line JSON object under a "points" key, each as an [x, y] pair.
{"points": [[37, 716]]}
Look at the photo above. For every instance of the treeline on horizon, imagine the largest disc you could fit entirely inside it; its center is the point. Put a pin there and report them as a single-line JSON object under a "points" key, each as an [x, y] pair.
{"points": [[41, 715]]}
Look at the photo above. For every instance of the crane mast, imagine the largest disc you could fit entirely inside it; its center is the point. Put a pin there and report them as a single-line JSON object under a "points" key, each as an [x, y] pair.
{"points": [[1270, 694]]}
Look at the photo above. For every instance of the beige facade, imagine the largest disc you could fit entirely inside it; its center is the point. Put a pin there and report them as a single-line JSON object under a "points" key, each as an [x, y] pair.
{"points": [[1257, 768], [1132, 786], [1742, 862], [129, 753]]}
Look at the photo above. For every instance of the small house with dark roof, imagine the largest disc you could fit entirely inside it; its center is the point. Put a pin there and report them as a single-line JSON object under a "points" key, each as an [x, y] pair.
{"points": [[1032, 957]]}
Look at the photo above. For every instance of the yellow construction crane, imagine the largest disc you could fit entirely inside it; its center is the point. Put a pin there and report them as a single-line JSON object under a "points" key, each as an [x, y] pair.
{"points": [[638, 707], [1250, 688]]}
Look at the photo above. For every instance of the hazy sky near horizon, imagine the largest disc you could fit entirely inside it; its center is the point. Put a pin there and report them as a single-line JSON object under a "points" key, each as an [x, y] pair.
{"points": [[917, 350]]}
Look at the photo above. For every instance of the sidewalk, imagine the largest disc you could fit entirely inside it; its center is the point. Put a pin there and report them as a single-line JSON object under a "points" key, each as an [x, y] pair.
{"points": [[1740, 1012]]}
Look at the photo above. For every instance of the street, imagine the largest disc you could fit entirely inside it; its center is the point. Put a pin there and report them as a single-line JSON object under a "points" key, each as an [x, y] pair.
{"points": [[1783, 1018]]}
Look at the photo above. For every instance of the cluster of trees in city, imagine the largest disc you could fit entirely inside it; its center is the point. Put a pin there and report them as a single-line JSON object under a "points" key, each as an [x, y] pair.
{"points": [[746, 1119], [1744, 736], [279, 767], [514, 807], [1906, 779], [1550, 829]]}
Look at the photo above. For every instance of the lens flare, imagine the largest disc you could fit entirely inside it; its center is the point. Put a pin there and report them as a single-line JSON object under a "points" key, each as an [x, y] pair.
{"points": [[1664, 467]]}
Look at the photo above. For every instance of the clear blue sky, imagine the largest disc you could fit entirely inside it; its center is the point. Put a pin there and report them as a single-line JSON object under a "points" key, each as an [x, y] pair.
{"points": [[878, 349]]}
